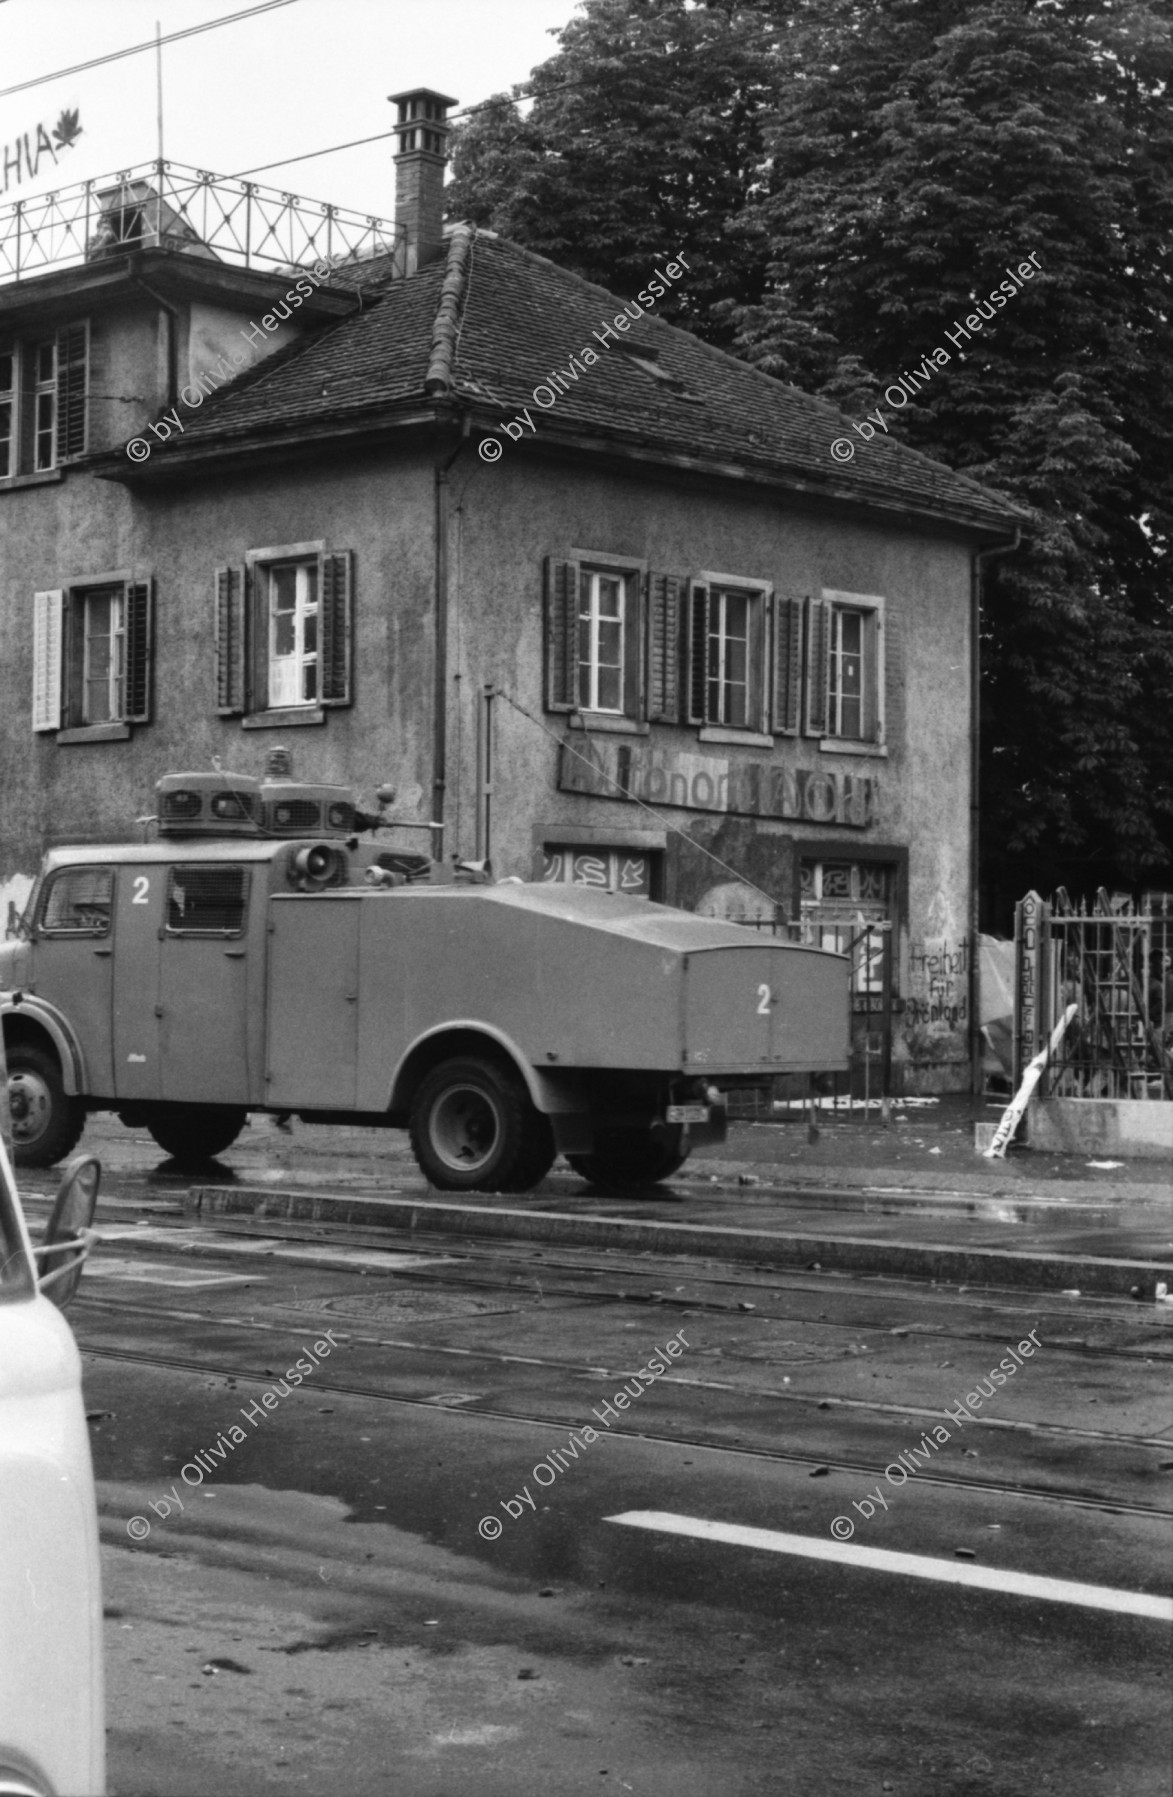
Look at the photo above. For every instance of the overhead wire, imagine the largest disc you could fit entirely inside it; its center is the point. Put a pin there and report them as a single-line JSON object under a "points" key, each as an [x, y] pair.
{"points": [[172, 37]]}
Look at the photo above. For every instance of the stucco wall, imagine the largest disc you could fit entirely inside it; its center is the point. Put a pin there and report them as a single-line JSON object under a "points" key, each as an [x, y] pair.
{"points": [[515, 512], [504, 520]]}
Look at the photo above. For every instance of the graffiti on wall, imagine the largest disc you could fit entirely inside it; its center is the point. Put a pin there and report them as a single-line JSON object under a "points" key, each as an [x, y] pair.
{"points": [[752, 787], [938, 979]]}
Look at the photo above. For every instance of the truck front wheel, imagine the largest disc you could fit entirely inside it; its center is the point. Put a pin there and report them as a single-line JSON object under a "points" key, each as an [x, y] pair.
{"points": [[196, 1133], [46, 1120], [473, 1129], [629, 1159]]}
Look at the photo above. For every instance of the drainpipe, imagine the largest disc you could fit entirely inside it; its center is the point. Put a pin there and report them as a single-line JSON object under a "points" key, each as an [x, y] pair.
{"points": [[172, 313], [440, 682], [981, 557]]}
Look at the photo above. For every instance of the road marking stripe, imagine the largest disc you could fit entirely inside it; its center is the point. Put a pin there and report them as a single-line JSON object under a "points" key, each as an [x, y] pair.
{"points": [[949, 1572]]}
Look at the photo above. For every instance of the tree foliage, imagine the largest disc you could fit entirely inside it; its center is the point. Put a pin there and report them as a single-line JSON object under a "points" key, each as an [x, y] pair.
{"points": [[644, 136], [852, 176]]}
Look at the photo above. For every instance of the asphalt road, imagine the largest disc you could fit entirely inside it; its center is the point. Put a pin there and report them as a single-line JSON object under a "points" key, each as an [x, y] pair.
{"points": [[414, 1572]]}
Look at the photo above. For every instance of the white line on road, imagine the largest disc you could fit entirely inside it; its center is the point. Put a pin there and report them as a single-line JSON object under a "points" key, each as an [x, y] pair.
{"points": [[917, 1566]]}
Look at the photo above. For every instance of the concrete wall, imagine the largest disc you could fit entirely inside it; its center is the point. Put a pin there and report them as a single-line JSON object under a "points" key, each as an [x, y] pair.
{"points": [[1129, 1128]]}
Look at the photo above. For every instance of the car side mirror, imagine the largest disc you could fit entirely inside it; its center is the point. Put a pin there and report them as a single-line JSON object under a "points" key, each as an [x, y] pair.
{"points": [[69, 1234]]}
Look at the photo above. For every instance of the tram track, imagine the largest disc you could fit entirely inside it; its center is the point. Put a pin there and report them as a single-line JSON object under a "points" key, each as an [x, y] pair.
{"points": [[698, 1444], [472, 1254], [1057, 1432]]}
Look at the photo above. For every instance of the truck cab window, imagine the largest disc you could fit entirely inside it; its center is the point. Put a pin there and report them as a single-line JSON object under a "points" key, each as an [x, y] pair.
{"points": [[206, 901], [76, 902]]}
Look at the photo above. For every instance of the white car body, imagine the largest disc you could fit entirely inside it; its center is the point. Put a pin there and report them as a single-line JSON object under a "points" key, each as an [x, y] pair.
{"points": [[52, 1713]]}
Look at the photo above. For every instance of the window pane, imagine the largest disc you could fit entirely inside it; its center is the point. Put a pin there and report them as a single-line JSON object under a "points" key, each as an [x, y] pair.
{"points": [[78, 901], [44, 430], [6, 368], [99, 624], [610, 690], [736, 616], [283, 585], [600, 643], [309, 680], [206, 900], [44, 363], [610, 598], [610, 643], [285, 633]]}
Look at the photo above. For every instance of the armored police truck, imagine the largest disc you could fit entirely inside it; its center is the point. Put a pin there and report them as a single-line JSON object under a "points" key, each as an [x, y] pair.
{"points": [[269, 951]]}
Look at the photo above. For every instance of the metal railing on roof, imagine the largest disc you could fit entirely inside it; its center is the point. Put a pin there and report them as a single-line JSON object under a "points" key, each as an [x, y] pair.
{"points": [[162, 205]]}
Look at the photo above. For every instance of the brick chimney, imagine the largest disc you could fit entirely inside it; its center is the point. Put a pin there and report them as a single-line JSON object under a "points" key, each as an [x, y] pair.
{"points": [[422, 129]]}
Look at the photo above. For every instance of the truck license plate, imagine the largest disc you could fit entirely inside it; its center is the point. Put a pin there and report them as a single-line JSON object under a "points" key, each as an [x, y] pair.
{"points": [[688, 1113]]}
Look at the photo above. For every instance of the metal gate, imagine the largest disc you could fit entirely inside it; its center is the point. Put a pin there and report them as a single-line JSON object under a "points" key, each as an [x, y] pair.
{"points": [[1114, 960]]}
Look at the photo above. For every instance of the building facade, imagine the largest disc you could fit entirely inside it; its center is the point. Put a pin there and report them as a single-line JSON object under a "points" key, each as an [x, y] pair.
{"points": [[597, 599]]}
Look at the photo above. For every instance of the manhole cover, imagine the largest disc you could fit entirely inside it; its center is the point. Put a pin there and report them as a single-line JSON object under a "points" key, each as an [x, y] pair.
{"points": [[407, 1307]]}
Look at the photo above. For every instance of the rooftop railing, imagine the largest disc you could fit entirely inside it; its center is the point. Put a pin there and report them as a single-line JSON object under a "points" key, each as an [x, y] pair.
{"points": [[162, 205]]}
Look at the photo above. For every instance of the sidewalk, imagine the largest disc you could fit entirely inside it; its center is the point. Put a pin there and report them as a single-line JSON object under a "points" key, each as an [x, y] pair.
{"points": [[915, 1200]]}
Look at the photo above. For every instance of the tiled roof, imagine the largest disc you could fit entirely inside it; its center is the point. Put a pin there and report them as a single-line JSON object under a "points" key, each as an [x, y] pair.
{"points": [[490, 321]]}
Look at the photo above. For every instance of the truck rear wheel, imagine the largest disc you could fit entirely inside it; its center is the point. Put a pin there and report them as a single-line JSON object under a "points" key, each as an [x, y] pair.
{"points": [[629, 1159], [46, 1119], [473, 1128], [539, 1156], [194, 1133]]}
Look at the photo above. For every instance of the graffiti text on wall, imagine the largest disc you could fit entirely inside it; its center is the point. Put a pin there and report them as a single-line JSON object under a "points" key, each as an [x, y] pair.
{"points": [[712, 783], [939, 973]]}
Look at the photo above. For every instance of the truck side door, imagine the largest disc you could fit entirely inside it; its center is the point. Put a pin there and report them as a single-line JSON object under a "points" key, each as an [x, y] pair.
{"points": [[135, 1028], [73, 960], [313, 1001], [203, 997]]}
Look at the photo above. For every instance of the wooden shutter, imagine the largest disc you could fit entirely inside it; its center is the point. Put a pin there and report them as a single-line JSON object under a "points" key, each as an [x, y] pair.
{"points": [[634, 631], [47, 610], [788, 615], [698, 652], [72, 390], [335, 588], [139, 635], [561, 623], [665, 597], [757, 698], [818, 665], [231, 637], [889, 663]]}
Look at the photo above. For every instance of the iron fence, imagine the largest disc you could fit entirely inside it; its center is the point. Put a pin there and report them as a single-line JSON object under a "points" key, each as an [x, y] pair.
{"points": [[1113, 959], [163, 205]]}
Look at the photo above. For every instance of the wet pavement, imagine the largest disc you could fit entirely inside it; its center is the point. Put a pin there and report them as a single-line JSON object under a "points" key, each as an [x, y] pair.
{"points": [[413, 1571]]}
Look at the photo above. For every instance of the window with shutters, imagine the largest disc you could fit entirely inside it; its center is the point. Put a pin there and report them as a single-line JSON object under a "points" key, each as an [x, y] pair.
{"points": [[728, 688], [283, 624], [43, 401], [594, 638], [92, 657], [845, 671]]}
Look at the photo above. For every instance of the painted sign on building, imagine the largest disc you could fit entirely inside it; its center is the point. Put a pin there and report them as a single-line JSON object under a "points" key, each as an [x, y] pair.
{"points": [[753, 788], [23, 156]]}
